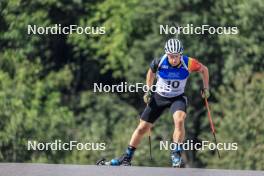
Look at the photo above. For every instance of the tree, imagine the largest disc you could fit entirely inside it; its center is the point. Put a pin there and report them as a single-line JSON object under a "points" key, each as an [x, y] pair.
{"points": [[31, 108]]}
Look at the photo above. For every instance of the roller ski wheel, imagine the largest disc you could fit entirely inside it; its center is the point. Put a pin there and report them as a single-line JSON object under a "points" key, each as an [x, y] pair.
{"points": [[102, 162]]}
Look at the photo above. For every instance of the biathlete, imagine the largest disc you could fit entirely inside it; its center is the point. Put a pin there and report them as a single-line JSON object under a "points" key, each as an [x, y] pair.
{"points": [[172, 71]]}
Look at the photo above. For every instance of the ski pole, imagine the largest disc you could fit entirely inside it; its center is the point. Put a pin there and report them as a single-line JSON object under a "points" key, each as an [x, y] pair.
{"points": [[149, 137], [211, 124]]}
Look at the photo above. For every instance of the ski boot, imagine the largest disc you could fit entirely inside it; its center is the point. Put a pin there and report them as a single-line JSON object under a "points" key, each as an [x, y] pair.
{"points": [[176, 160], [124, 160]]}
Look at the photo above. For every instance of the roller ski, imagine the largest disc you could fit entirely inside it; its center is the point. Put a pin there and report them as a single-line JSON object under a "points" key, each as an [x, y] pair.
{"points": [[113, 162], [103, 162], [124, 160]]}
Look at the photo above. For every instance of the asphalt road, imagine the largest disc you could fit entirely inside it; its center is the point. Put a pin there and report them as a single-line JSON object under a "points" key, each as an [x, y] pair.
{"points": [[27, 169]]}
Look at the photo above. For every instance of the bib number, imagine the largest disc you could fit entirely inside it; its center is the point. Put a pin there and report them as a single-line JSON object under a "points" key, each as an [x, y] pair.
{"points": [[174, 84]]}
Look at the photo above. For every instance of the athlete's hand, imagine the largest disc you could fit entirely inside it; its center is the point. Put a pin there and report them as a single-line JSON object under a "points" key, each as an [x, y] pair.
{"points": [[147, 97], [205, 93]]}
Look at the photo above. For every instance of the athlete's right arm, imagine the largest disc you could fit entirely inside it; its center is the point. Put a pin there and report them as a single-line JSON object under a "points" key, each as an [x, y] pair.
{"points": [[150, 78], [153, 68], [149, 82]]}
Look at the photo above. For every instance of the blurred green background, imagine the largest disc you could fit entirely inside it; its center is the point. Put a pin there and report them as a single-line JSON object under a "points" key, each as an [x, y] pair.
{"points": [[46, 81]]}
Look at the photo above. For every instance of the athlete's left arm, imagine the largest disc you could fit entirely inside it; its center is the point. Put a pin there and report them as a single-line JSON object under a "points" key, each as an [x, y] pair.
{"points": [[195, 66]]}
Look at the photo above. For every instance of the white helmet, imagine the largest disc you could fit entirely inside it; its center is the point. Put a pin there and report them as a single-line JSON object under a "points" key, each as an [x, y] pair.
{"points": [[173, 46]]}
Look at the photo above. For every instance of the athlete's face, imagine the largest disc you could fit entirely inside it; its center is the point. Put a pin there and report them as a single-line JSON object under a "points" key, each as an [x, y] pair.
{"points": [[174, 59]]}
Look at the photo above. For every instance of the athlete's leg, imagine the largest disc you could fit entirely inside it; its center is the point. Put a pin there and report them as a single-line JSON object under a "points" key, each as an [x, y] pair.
{"points": [[150, 114], [179, 129], [142, 128], [179, 114]]}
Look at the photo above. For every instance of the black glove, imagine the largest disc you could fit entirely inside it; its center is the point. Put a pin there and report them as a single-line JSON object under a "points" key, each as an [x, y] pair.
{"points": [[147, 97], [205, 93]]}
